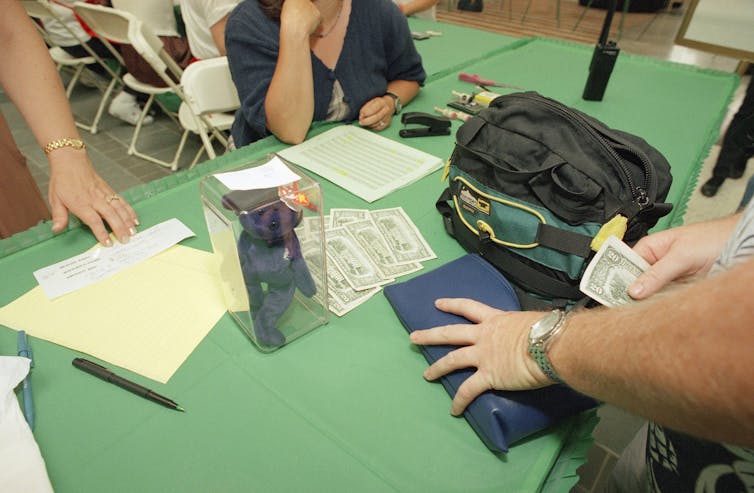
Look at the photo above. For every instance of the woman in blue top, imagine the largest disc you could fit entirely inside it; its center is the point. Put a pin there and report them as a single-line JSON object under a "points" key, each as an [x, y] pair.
{"points": [[298, 61]]}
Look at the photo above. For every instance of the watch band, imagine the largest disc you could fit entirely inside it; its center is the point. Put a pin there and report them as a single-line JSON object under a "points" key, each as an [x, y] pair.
{"points": [[61, 143], [397, 101], [538, 347]]}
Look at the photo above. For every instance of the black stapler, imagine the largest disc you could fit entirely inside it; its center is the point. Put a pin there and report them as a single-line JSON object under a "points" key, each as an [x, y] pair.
{"points": [[432, 124]]}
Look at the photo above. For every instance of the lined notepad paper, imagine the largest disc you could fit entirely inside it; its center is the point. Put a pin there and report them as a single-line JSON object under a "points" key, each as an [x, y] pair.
{"points": [[362, 162]]}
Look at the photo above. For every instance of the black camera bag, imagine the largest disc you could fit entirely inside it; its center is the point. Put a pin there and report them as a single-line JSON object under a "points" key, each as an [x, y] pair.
{"points": [[532, 182]]}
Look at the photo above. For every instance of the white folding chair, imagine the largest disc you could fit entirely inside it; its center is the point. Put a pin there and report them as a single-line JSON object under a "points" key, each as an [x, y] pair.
{"points": [[159, 15], [123, 27], [41, 10], [210, 94]]}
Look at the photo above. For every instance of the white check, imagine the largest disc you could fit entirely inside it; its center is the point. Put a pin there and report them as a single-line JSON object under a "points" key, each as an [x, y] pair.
{"points": [[269, 175], [99, 263]]}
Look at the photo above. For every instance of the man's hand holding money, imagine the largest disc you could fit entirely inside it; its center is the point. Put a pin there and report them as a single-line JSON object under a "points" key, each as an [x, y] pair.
{"points": [[617, 275], [680, 253]]}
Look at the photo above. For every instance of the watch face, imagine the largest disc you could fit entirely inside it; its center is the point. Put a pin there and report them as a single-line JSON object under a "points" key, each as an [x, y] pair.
{"points": [[544, 326], [397, 101]]}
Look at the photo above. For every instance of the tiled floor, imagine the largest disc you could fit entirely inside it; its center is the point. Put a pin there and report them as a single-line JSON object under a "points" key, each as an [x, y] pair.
{"points": [[108, 152]]}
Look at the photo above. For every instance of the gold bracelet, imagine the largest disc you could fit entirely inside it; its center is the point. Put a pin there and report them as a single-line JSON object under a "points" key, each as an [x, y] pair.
{"points": [[66, 142]]}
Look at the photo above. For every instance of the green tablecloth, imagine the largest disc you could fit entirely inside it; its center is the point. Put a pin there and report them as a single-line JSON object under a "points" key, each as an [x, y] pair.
{"points": [[455, 46], [344, 408]]}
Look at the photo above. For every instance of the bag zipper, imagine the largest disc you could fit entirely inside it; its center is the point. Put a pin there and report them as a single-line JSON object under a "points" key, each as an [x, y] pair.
{"points": [[638, 192]]}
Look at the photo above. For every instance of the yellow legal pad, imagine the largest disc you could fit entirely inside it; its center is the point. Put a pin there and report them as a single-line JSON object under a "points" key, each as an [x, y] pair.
{"points": [[147, 318]]}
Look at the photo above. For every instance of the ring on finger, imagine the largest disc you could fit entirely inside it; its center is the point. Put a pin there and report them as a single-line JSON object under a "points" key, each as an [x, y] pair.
{"points": [[112, 197], [381, 124]]}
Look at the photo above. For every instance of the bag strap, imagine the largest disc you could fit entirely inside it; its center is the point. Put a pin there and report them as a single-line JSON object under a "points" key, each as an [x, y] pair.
{"points": [[564, 241], [547, 235], [508, 262], [530, 302], [530, 278], [444, 208]]}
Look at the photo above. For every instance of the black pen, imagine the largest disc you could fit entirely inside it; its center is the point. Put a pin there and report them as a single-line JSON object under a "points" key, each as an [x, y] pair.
{"points": [[103, 373]]}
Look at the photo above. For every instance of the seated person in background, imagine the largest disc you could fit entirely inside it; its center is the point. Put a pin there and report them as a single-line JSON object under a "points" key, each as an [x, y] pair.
{"points": [[66, 32], [298, 61], [422, 9], [205, 25], [159, 16]]}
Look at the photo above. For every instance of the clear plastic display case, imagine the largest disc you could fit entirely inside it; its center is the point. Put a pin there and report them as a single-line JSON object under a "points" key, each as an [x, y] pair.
{"points": [[265, 221]]}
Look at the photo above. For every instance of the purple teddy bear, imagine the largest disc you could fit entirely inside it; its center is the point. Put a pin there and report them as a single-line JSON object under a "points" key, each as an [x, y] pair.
{"points": [[271, 260]]}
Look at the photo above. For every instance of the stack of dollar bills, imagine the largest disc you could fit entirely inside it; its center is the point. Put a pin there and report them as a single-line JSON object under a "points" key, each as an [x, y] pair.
{"points": [[365, 250]]}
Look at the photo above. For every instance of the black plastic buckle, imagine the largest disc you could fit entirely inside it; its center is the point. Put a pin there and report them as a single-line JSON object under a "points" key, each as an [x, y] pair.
{"points": [[485, 242], [433, 124]]}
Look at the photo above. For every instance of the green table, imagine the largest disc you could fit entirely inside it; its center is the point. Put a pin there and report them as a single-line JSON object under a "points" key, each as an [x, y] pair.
{"points": [[455, 47], [344, 408]]}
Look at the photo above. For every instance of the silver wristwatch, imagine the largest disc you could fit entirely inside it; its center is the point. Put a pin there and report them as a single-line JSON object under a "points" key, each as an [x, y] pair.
{"points": [[541, 336], [398, 104]]}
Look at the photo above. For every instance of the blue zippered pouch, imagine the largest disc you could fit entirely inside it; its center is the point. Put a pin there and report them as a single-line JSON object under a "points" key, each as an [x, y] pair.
{"points": [[500, 418]]}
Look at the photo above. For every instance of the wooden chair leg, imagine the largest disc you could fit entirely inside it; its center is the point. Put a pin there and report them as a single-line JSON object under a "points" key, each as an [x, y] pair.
{"points": [[526, 11], [557, 12], [626, 3], [581, 16]]}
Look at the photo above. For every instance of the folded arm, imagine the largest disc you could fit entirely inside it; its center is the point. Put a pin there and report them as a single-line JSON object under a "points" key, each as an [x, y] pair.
{"points": [[289, 104]]}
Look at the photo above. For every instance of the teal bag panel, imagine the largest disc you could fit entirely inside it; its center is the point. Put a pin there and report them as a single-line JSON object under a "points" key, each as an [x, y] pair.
{"points": [[514, 223]]}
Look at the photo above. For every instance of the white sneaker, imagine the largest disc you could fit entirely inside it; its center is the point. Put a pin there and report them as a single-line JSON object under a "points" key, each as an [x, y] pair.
{"points": [[124, 107]]}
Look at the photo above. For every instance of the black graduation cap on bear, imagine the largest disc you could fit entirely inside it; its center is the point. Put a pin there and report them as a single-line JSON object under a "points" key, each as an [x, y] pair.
{"points": [[240, 201]]}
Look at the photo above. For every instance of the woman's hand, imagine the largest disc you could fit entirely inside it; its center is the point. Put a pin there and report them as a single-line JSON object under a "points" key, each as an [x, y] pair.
{"points": [[77, 188], [300, 17], [377, 113]]}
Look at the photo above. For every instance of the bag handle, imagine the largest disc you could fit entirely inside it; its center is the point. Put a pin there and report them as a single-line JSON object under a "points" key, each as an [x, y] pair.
{"points": [[564, 241], [443, 207]]}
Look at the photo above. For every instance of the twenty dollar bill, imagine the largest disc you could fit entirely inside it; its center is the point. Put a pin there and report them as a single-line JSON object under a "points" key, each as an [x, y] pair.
{"points": [[611, 272]]}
